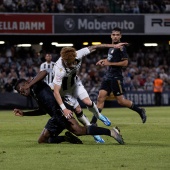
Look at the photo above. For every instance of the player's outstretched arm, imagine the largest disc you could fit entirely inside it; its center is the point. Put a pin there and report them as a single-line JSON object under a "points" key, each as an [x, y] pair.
{"points": [[105, 62], [37, 112], [94, 47], [41, 75]]}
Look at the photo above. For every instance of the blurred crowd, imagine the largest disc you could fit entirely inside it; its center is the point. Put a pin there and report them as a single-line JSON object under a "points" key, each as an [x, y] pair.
{"points": [[85, 6], [144, 64]]}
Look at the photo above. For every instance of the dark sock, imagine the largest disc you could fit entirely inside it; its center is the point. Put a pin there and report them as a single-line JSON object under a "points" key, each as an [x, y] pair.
{"points": [[56, 139], [93, 130], [136, 109], [79, 114], [94, 119]]}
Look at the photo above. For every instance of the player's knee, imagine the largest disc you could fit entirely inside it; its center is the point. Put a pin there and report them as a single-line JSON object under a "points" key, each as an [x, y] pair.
{"points": [[87, 102], [40, 141], [78, 109], [121, 102], [44, 137], [79, 131], [75, 132], [100, 99]]}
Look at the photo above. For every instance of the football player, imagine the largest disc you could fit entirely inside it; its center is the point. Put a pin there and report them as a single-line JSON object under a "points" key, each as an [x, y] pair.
{"points": [[113, 79], [66, 81], [46, 101]]}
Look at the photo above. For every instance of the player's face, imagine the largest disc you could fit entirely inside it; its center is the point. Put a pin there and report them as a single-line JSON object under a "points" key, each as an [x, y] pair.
{"points": [[69, 63], [48, 57], [116, 36], [21, 90]]}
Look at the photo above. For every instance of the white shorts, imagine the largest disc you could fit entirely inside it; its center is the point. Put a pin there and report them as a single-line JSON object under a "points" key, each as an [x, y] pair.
{"points": [[80, 92], [72, 101], [77, 91]]}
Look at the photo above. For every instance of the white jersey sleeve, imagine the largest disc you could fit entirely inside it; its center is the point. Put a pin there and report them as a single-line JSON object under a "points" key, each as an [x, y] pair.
{"points": [[59, 73], [82, 52]]}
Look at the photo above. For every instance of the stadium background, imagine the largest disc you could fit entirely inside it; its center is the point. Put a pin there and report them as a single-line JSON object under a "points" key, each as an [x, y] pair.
{"points": [[77, 25]]}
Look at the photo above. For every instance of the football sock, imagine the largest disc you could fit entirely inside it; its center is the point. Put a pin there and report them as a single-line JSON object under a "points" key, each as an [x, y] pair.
{"points": [[94, 119], [56, 139], [136, 108], [94, 110], [93, 130], [82, 118]]}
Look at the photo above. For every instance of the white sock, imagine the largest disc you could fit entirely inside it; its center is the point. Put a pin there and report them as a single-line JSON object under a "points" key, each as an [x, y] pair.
{"points": [[94, 110], [84, 120]]}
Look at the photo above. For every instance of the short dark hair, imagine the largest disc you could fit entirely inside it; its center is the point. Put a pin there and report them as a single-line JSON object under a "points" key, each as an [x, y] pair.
{"points": [[18, 82], [117, 29]]}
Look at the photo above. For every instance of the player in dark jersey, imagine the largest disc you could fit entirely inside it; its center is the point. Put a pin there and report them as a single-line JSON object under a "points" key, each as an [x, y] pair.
{"points": [[42, 93], [113, 79]]}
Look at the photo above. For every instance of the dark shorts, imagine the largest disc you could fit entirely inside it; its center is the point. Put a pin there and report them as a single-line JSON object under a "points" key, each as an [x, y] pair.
{"points": [[114, 85], [57, 124], [55, 129], [54, 126]]}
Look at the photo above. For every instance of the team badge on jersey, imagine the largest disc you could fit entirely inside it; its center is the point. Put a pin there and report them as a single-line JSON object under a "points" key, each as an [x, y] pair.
{"points": [[112, 51]]}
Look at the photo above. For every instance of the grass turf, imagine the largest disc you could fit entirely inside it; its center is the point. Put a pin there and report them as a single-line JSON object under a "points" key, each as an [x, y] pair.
{"points": [[147, 145]]}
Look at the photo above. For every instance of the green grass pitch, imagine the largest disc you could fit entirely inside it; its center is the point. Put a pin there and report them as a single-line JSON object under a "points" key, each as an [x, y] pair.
{"points": [[147, 146]]}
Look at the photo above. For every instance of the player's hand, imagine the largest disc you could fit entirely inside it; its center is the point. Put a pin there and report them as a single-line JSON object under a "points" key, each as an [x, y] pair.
{"points": [[100, 62], [119, 45], [68, 113], [104, 62], [18, 112]]}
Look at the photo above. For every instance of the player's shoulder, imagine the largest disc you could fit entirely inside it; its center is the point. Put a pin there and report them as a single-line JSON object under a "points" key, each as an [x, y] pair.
{"points": [[59, 68], [43, 63], [58, 63]]}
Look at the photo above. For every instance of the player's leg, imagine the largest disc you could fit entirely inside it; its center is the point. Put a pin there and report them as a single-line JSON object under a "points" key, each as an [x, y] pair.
{"points": [[51, 131], [93, 108], [44, 136], [72, 101], [101, 98], [84, 120], [100, 103], [80, 116], [82, 94], [74, 127], [47, 137], [118, 91], [72, 104], [115, 132]]}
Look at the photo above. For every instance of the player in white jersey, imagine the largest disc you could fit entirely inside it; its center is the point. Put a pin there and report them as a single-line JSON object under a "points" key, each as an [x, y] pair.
{"points": [[70, 100], [48, 66], [66, 82]]}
